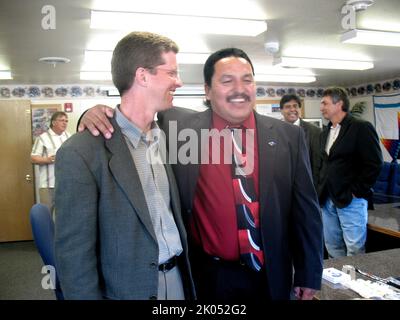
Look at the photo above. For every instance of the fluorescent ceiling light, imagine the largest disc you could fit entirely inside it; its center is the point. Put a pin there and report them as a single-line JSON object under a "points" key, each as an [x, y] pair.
{"points": [[98, 55], [104, 40], [320, 63], [278, 74], [95, 66], [95, 75], [261, 69], [220, 8], [372, 37], [283, 78], [97, 61], [108, 41], [324, 52], [5, 75], [101, 60], [163, 23]]}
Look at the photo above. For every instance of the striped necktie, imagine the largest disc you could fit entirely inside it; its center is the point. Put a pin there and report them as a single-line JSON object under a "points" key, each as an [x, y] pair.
{"points": [[247, 205]]}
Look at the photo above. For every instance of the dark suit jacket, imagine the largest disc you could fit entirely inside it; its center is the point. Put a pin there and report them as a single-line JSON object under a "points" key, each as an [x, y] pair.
{"points": [[313, 133], [289, 212], [353, 164], [105, 243]]}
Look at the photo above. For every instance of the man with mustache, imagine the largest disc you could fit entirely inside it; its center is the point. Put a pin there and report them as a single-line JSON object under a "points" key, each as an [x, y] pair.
{"points": [[253, 236]]}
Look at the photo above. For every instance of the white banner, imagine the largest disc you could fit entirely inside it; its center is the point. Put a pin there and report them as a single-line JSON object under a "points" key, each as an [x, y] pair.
{"points": [[387, 120]]}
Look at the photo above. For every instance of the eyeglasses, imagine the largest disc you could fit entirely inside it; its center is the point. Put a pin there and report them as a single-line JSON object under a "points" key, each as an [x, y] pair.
{"points": [[172, 73]]}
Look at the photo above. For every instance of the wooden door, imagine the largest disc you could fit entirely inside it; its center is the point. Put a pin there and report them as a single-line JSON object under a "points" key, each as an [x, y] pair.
{"points": [[16, 173]]}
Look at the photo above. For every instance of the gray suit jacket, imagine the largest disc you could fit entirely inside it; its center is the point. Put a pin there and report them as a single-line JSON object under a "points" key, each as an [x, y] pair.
{"points": [[105, 244], [290, 219]]}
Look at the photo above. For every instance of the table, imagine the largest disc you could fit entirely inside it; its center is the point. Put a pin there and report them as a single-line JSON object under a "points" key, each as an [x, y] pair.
{"points": [[386, 216], [382, 263]]}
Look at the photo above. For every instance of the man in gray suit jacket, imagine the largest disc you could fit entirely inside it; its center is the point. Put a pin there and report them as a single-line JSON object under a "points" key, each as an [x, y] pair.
{"points": [[119, 231], [290, 105], [282, 218]]}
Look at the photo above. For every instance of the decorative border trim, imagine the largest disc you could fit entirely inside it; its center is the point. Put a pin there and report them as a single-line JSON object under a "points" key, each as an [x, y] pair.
{"points": [[386, 86], [51, 91], [91, 91]]}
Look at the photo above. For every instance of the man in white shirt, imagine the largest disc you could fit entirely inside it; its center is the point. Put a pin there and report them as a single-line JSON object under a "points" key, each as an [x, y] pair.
{"points": [[43, 154], [351, 160]]}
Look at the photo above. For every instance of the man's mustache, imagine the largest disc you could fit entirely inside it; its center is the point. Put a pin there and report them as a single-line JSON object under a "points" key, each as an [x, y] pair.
{"points": [[243, 96]]}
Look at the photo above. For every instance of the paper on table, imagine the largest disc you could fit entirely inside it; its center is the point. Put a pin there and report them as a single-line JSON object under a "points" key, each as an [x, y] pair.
{"points": [[372, 290]]}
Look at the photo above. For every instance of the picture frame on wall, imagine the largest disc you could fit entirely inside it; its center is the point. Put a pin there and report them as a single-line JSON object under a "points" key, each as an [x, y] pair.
{"points": [[315, 121], [41, 115]]}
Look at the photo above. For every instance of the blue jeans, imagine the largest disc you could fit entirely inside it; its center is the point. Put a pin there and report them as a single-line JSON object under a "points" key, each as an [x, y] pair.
{"points": [[345, 230]]}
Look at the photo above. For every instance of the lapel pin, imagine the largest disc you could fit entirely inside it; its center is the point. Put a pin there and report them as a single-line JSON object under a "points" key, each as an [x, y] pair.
{"points": [[272, 143]]}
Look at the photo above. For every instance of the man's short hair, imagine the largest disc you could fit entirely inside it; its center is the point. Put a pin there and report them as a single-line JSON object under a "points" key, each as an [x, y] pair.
{"points": [[56, 115], [208, 70], [135, 50], [289, 97], [338, 94]]}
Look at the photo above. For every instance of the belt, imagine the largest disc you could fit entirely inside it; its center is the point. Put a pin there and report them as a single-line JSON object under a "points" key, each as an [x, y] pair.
{"points": [[215, 260], [227, 262], [168, 265]]}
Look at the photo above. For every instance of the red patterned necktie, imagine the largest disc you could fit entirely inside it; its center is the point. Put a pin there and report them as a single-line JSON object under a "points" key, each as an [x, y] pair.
{"points": [[247, 205]]}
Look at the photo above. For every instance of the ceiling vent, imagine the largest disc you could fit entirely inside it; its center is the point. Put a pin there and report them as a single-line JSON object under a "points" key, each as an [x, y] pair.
{"points": [[54, 60], [360, 5]]}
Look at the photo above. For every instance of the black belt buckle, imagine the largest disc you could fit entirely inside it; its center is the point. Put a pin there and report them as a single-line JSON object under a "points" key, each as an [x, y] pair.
{"points": [[168, 265]]}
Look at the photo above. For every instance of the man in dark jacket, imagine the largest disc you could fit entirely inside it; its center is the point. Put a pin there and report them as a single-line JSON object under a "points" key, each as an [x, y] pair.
{"points": [[290, 106], [351, 162]]}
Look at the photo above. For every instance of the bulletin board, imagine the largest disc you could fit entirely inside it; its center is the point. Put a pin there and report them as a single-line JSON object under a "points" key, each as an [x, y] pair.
{"points": [[41, 115], [270, 107]]}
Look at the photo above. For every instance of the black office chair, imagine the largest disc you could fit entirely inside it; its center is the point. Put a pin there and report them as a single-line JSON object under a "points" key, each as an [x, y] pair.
{"points": [[43, 234]]}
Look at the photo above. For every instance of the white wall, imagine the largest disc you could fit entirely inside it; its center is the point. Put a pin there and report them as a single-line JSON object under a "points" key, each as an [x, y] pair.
{"points": [[311, 108]]}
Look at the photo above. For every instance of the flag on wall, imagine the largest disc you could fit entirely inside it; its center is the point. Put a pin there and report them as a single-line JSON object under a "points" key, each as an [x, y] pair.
{"points": [[387, 119]]}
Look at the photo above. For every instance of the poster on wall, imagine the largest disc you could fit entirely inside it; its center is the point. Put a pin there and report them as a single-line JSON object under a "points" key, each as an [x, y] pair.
{"points": [[41, 115], [269, 109]]}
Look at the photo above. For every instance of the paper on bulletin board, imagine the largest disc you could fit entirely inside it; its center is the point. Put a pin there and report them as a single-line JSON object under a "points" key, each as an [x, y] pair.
{"points": [[270, 110]]}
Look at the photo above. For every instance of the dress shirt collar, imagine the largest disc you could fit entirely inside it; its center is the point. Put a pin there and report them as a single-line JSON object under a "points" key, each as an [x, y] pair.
{"points": [[134, 133], [220, 123]]}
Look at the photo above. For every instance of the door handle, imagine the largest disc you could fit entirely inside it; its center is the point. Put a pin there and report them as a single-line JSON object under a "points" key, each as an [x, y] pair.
{"points": [[28, 177]]}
